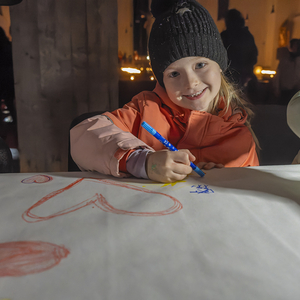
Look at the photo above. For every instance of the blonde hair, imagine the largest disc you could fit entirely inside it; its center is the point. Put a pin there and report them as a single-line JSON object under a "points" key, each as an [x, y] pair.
{"points": [[233, 97]]}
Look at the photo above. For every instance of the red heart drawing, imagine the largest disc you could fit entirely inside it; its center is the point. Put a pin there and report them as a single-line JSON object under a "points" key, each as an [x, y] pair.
{"points": [[37, 179], [28, 257], [99, 201]]}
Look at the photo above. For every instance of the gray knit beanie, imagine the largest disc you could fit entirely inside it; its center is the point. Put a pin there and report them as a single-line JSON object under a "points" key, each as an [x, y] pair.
{"points": [[182, 28]]}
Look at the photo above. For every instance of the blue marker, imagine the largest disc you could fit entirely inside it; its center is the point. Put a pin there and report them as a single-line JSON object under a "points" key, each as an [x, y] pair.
{"points": [[169, 145]]}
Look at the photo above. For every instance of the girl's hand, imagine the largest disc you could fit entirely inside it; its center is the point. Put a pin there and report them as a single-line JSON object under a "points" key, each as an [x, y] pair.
{"points": [[169, 166], [208, 166]]}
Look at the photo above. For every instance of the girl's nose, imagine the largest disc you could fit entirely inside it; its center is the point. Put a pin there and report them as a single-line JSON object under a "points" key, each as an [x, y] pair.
{"points": [[192, 80]]}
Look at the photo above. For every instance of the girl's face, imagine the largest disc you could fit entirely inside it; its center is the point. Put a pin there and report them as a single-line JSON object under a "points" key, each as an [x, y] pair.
{"points": [[193, 82]]}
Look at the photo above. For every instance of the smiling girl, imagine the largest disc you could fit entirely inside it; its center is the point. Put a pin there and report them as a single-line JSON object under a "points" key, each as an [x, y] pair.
{"points": [[193, 82], [193, 106]]}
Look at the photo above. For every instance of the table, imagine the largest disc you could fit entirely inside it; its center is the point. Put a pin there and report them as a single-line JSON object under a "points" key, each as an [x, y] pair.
{"points": [[233, 234]]}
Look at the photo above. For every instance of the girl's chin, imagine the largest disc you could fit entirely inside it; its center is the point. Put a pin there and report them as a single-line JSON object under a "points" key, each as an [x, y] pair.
{"points": [[184, 102], [193, 105]]}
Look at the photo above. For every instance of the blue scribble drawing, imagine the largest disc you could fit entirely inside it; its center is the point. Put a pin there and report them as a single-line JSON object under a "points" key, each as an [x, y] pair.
{"points": [[201, 189]]}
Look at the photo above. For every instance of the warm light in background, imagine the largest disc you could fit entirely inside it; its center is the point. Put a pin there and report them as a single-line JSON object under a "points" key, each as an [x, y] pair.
{"points": [[131, 70], [257, 70], [131, 77], [269, 72], [264, 73]]}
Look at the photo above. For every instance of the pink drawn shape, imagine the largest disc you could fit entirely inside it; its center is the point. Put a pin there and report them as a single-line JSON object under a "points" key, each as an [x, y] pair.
{"points": [[99, 201], [29, 257], [37, 179]]}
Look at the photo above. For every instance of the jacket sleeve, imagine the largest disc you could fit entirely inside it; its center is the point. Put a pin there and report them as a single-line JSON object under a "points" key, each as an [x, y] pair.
{"points": [[251, 158], [234, 150], [97, 144], [228, 140]]}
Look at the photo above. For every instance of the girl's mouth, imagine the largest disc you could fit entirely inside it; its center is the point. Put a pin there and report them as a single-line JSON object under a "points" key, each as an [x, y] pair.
{"points": [[196, 96]]}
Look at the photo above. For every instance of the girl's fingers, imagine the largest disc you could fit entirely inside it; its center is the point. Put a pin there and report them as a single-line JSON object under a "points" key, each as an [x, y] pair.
{"points": [[210, 165], [182, 169], [219, 166], [201, 164], [190, 157], [167, 166], [183, 156]]}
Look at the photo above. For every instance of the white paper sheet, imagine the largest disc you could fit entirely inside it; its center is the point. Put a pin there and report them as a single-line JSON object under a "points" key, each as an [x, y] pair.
{"points": [[233, 234]]}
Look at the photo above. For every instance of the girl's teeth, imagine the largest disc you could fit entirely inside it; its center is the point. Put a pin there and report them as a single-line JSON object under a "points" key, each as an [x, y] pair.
{"points": [[197, 94]]}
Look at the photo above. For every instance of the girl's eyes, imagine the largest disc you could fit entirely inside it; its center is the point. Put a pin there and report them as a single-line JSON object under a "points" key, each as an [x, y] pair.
{"points": [[174, 74], [200, 65]]}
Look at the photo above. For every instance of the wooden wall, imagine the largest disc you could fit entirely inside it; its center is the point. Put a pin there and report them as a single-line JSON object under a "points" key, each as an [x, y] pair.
{"points": [[65, 64]]}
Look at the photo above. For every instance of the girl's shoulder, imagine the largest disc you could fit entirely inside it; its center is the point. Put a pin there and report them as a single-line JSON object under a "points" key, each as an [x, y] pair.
{"points": [[145, 98], [147, 95]]}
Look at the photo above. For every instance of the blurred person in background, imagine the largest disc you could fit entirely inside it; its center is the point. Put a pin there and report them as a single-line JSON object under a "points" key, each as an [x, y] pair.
{"points": [[7, 91], [7, 95], [287, 80], [241, 48]]}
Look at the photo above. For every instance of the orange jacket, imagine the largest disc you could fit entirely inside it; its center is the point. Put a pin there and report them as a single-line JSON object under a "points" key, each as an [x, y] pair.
{"points": [[102, 143], [221, 138]]}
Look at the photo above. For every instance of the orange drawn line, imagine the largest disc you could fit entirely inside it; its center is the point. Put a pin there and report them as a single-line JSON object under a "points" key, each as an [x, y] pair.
{"points": [[99, 201], [105, 206], [29, 257], [36, 218]]}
